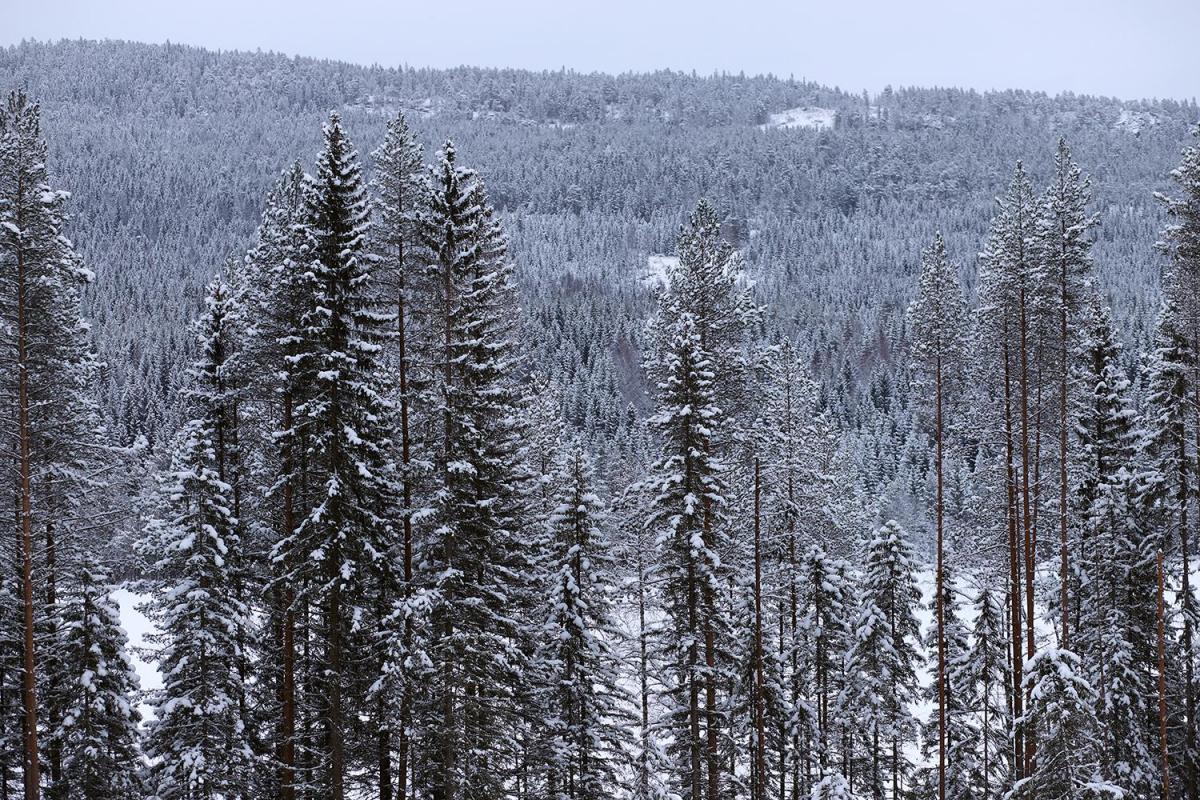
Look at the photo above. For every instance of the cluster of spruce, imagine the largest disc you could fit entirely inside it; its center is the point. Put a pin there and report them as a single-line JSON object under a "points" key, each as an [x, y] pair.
{"points": [[380, 563]]}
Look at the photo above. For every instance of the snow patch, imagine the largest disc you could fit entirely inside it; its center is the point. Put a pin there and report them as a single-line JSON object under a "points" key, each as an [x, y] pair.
{"points": [[658, 267], [1135, 122], [802, 117]]}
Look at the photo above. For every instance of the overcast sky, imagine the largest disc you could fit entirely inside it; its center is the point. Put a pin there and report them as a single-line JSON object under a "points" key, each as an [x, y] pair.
{"points": [[1125, 48]]}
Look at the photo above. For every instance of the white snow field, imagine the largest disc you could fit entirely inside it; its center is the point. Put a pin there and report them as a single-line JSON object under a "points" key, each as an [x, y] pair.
{"points": [[802, 117]]}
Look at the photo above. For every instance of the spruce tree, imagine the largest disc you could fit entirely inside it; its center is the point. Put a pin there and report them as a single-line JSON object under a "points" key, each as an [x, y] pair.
{"points": [[883, 659], [273, 281], [338, 558], [474, 562], [1062, 709], [979, 758], [399, 199], [1181, 288], [685, 517], [951, 725], [49, 417], [101, 755], [588, 712], [200, 739]]}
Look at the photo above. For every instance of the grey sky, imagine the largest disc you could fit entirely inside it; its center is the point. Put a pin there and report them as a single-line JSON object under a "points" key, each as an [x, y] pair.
{"points": [[1125, 48]]}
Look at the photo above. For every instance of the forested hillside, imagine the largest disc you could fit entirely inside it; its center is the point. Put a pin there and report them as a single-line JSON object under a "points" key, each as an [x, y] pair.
{"points": [[580, 436], [169, 150]]}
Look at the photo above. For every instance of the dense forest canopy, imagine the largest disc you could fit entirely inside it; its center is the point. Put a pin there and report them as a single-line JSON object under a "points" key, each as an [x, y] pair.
{"points": [[578, 436], [169, 149]]}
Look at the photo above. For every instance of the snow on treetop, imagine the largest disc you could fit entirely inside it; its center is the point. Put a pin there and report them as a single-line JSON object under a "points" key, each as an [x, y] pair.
{"points": [[802, 117]]}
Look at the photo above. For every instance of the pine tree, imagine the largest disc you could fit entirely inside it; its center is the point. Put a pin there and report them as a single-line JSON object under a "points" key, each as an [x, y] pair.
{"points": [[474, 564], [200, 738], [399, 200], [938, 318], [99, 736], [338, 556], [1063, 239], [1181, 287], [51, 421], [276, 296], [587, 709], [1013, 288]]}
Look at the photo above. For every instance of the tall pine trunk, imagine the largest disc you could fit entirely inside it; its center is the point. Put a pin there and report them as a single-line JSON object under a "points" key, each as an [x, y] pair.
{"points": [[1162, 684], [1014, 561], [711, 712], [759, 784], [32, 768], [1026, 511], [1063, 543], [940, 588]]}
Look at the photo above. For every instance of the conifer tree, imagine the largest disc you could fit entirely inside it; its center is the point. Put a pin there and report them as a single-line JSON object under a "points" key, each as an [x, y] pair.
{"points": [[338, 556], [700, 366], [399, 200], [833, 787], [1181, 287], [1063, 239], [1164, 487], [686, 513], [587, 710], [99, 737], [979, 758], [1062, 709], [952, 704], [938, 318], [200, 738], [883, 659], [49, 418], [474, 565], [827, 601], [1013, 288]]}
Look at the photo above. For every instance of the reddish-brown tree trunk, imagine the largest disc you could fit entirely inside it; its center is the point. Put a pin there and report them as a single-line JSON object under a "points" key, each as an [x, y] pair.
{"points": [[32, 766], [1162, 685], [760, 744], [1026, 510], [1063, 542], [1014, 595], [940, 582]]}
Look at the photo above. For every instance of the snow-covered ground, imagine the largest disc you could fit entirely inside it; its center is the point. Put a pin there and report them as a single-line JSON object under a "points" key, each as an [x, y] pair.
{"points": [[138, 627], [802, 117]]}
